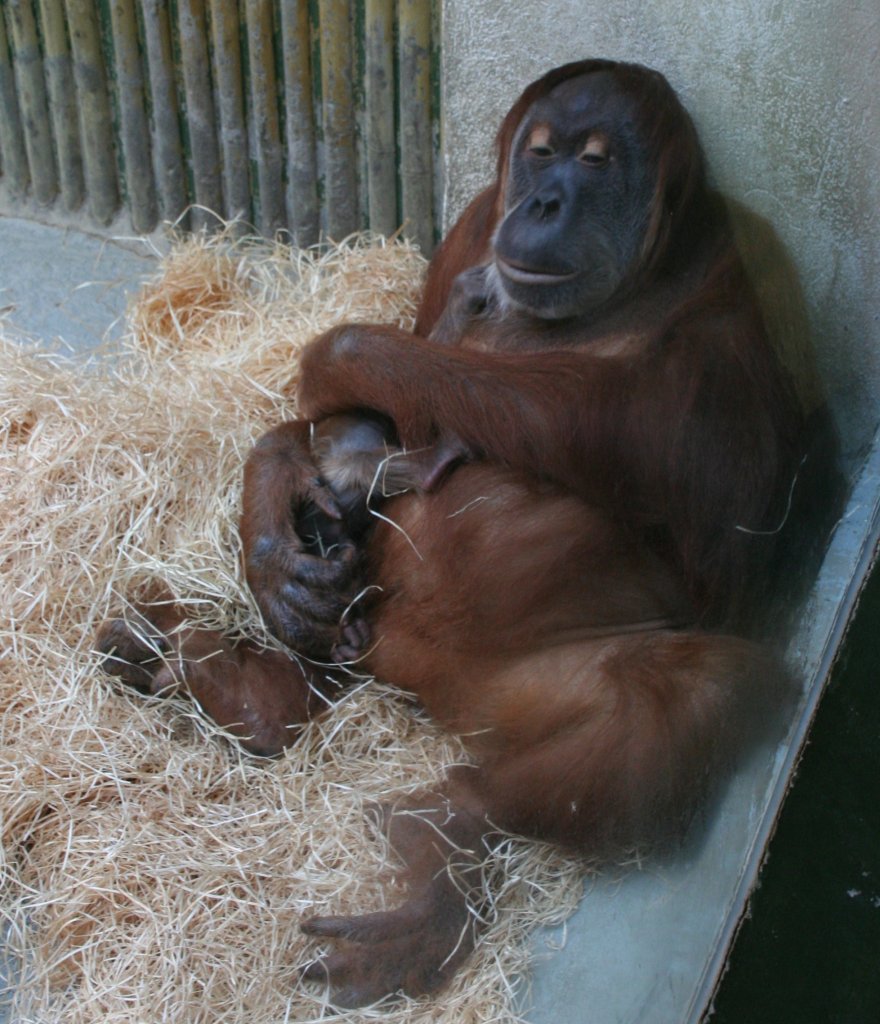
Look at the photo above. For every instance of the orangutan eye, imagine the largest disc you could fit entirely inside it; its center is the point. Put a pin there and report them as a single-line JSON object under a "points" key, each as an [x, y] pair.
{"points": [[595, 151], [538, 143]]}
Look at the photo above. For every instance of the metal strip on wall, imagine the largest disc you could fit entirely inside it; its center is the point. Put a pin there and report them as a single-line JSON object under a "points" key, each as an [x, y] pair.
{"points": [[312, 116]]}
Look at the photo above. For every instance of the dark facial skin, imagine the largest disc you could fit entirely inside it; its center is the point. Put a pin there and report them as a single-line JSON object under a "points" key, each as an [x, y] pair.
{"points": [[578, 200]]}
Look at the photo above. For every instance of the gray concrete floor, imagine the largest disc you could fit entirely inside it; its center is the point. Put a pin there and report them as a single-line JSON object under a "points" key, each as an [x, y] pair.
{"points": [[65, 287]]}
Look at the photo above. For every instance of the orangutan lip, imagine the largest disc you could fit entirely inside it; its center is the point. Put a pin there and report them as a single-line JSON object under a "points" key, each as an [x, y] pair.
{"points": [[531, 275]]}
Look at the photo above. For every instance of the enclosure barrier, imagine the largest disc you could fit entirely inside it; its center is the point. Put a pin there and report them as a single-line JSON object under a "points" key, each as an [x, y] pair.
{"points": [[314, 116]]}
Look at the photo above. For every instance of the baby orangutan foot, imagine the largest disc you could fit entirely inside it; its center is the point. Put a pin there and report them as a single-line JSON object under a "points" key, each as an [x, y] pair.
{"points": [[353, 642], [418, 947], [133, 650], [260, 696]]}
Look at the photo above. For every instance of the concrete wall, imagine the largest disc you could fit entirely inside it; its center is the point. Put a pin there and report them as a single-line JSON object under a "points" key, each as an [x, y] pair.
{"points": [[784, 93]]}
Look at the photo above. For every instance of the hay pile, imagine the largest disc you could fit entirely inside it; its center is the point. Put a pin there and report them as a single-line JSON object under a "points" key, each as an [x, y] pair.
{"points": [[150, 871]]}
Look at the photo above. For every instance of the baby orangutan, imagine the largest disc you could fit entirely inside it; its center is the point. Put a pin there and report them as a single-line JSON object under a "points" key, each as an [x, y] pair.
{"points": [[359, 459], [243, 687], [361, 463]]}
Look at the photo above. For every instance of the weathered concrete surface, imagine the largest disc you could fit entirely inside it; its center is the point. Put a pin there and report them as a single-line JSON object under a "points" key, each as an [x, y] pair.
{"points": [[64, 284]]}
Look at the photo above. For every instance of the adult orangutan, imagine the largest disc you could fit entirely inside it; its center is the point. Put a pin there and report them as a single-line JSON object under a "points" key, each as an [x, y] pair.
{"points": [[617, 454]]}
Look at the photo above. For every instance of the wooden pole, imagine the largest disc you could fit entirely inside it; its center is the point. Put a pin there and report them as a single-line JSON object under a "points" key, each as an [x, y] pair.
{"points": [[167, 149], [134, 128], [264, 115], [340, 173], [16, 175], [302, 167], [416, 163], [381, 157], [204, 151], [62, 103], [225, 27], [32, 100], [96, 126]]}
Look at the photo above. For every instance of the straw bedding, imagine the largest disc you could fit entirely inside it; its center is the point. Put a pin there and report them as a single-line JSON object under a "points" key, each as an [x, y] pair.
{"points": [[150, 870]]}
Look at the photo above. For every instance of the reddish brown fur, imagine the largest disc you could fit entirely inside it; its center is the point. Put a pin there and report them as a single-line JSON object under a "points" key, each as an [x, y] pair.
{"points": [[558, 600], [245, 689]]}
